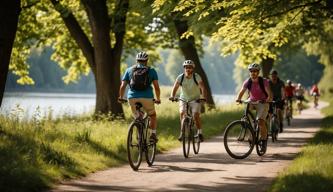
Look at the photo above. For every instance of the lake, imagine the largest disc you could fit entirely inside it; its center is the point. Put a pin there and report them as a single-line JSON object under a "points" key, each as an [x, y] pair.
{"points": [[59, 104]]}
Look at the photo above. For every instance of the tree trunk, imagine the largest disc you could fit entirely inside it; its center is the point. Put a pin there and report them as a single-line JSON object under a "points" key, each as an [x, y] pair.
{"points": [[267, 65], [103, 60], [189, 50], [9, 14]]}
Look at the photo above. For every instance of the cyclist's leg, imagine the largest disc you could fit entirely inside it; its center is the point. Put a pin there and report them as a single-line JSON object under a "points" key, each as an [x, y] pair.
{"points": [[149, 107], [262, 111], [182, 112], [195, 108]]}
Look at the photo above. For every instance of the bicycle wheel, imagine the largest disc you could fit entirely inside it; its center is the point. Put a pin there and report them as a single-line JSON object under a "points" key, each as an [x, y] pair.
{"points": [[195, 140], [260, 144], [238, 139], [274, 127], [150, 148], [187, 135], [134, 148]]}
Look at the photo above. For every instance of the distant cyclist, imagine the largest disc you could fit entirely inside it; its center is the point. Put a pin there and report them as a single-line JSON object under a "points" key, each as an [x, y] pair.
{"points": [[299, 93], [140, 77], [192, 89], [315, 93], [259, 90], [277, 88], [289, 91]]}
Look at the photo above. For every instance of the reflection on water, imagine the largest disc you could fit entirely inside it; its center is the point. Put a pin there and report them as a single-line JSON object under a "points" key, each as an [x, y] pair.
{"points": [[60, 103]]}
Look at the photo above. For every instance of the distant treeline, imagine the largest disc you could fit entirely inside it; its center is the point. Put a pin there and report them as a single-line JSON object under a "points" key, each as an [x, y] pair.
{"points": [[224, 76]]}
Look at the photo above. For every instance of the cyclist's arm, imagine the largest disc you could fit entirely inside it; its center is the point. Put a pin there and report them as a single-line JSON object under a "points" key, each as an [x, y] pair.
{"points": [[203, 90], [174, 89], [269, 94], [157, 89], [122, 89], [240, 94]]}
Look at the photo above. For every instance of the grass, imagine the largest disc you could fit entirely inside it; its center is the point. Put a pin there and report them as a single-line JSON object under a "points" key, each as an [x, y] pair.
{"points": [[312, 170], [36, 154]]}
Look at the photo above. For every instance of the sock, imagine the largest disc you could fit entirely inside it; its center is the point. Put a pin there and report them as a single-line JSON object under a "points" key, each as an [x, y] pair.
{"points": [[199, 131], [153, 131]]}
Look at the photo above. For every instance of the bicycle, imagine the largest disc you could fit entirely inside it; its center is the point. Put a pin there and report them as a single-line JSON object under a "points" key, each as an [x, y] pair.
{"points": [[138, 139], [189, 130], [315, 99], [274, 122], [242, 135]]}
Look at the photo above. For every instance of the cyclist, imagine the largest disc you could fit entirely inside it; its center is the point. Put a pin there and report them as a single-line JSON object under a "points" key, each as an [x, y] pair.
{"points": [[277, 88], [299, 93], [289, 91], [259, 90], [315, 93], [140, 77], [192, 89]]}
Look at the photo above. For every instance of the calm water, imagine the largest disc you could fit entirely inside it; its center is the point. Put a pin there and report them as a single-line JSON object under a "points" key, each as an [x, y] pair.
{"points": [[29, 104]]}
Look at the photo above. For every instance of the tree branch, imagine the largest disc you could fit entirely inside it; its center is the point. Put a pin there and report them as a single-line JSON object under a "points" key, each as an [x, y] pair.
{"points": [[76, 32]]}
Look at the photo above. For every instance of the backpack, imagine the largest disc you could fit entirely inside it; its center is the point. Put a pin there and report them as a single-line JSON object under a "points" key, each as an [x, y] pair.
{"points": [[261, 85], [140, 78], [182, 79]]}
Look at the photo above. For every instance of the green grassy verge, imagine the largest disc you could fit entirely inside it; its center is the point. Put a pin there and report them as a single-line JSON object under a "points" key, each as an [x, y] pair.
{"points": [[312, 170], [36, 154]]}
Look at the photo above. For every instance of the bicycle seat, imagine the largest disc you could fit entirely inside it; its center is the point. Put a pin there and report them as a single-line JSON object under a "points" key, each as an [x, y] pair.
{"points": [[138, 105]]}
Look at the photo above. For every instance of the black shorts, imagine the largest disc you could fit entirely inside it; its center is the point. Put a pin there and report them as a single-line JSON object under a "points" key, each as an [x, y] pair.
{"points": [[279, 104]]}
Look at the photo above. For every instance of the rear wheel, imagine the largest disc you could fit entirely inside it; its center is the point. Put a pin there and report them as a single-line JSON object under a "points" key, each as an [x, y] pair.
{"points": [[187, 135], [238, 139], [134, 149]]}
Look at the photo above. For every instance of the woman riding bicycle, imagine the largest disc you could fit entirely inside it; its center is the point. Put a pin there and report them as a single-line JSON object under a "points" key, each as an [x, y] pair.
{"points": [[315, 93], [259, 90], [192, 89]]}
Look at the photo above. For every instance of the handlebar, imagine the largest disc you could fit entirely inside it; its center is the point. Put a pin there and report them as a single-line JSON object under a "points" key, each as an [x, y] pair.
{"points": [[252, 102], [176, 99], [121, 100]]}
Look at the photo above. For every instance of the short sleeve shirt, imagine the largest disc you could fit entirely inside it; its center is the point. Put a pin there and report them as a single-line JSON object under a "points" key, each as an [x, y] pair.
{"points": [[276, 89], [256, 93], [147, 93], [189, 89]]}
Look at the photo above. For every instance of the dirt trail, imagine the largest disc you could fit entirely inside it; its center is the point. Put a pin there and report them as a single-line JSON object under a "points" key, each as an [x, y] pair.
{"points": [[211, 170]]}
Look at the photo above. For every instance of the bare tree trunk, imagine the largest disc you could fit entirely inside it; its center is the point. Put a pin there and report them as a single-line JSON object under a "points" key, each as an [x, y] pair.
{"points": [[189, 50], [267, 65], [9, 14]]}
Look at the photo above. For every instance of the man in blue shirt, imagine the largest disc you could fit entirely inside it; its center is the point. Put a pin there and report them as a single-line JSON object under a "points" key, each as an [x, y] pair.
{"points": [[140, 77]]}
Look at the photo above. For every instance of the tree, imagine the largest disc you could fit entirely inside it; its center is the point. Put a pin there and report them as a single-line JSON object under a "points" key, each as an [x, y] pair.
{"points": [[9, 14], [98, 33], [258, 29]]}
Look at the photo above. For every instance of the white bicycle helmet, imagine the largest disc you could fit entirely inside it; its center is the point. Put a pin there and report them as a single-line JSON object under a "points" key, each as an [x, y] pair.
{"points": [[188, 62], [254, 66], [142, 56]]}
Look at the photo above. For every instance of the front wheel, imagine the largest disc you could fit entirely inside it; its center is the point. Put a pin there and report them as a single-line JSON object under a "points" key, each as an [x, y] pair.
{"points": [[239, 139], [187, 135], [150, 151], [196, 141], [274, 127]]}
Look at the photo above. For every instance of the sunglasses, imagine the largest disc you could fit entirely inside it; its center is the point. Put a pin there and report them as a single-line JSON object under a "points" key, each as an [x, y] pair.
{"points": [[254, 71], [188, 67]]}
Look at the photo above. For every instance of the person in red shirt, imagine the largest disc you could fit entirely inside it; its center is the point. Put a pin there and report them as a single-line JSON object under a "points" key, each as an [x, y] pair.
{"points": [[315, 93], [289, 91]]}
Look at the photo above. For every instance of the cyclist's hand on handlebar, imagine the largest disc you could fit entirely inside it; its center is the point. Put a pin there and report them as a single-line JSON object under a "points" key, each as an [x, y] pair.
{"points": [[202, 100], [239, 101], [157, 101], [172, 99], [121, 100]]}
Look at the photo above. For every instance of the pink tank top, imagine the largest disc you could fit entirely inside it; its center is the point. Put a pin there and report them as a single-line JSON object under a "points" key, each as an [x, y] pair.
{"points": [[256, 94]]}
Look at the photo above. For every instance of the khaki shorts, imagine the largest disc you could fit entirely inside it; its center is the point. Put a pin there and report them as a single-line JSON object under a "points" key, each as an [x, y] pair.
{"points": [[147, 105], [194, 106], [262, 110]]}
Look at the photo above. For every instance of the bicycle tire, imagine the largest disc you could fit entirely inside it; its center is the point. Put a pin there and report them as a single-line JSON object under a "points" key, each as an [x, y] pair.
{"points": [[195, 140], [236, 132], [186, 137], [150, 149], [274, 126], [134, 141]]}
